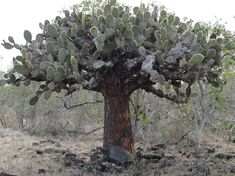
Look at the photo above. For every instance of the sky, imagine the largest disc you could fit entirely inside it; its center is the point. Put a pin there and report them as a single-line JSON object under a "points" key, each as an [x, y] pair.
{"points": [[16, 16]]}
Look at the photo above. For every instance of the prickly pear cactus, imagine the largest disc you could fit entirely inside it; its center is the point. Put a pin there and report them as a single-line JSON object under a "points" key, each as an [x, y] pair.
{"points": [[83, 46]]}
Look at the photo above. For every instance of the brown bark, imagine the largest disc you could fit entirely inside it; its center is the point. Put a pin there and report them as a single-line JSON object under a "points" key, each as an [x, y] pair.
{"points": [[117, 121]]}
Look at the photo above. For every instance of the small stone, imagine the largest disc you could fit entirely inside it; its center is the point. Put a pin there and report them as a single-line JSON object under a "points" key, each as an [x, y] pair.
{"points": [[39, 152], [188, 156], [211, 150], [41, 171], [72, 159], [35, 144]]}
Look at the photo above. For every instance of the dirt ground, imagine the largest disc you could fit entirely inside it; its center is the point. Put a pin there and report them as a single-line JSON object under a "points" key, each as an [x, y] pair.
{"points": [[24, 155]]}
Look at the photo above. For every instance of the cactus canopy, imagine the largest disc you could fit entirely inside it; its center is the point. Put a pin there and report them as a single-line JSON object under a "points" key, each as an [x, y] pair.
{"points": [[141, 46]]}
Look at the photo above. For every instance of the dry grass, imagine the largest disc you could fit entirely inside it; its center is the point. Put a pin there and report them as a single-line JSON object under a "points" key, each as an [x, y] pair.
{"points": [[18, 152]]}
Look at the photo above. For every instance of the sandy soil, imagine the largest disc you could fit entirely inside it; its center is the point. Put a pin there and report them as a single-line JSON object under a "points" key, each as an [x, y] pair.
{"points": [[24, 155]]}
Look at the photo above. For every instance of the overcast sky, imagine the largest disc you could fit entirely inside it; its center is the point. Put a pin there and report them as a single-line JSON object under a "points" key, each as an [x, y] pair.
{"points": [[18, 15]]}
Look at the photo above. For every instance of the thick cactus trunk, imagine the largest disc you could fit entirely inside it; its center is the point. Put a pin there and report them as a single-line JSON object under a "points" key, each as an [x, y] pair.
{"points": [[117, 121]]}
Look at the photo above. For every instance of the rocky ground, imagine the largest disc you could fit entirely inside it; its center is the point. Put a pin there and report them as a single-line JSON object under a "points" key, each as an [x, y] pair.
{"points": [[24, 155]]}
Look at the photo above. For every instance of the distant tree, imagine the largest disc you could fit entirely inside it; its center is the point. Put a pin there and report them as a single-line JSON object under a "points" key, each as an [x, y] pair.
{"points": [[114, 49]]}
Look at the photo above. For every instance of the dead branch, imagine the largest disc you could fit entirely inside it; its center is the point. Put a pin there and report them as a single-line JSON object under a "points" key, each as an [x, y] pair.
{"points": [[78, 105]]}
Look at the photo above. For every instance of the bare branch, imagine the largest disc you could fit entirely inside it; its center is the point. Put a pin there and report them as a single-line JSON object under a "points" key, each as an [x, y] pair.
{"points": [[77, 105], [80, 133], [175, 98], [153, 90]]}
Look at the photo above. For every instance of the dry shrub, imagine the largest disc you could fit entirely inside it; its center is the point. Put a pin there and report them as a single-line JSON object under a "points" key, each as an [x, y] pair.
{"points": [[8, 117]]}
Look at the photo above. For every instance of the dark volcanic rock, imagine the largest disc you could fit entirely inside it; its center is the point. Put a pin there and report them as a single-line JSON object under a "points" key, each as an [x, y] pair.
{"points": [[39, 152], [201, 169], [41, 171], [155, 155], [117, 155], [211, 150], [5, 174], [226, 156], [233, 169], [72, 159], [96, 154]]}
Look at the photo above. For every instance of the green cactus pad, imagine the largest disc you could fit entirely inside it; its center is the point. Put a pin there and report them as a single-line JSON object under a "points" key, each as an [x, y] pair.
{"points": [[142, 51], [147, 16], [148, 32], [28, 36], [71, 47], [199, 35], [11, 39], [195, 60], [211, 53], [112, 2], [140, 15], [62, 55], [50, 73], [135, 10], [33, 100], [182, 27], [163, 13], [163, 33], [102, 19], [20, 69], [99, 12], [52, 31], [59, 74], [74, 31], [107, 10], [12, 77], [177, 21], [125, 18], [212, 42], [167, 44], [110, 20], [171, 19], [44, 65], [135, 30], [7, 45], [129, 34], [50, 47], [148, 44], [94, 31], [115, 12]]}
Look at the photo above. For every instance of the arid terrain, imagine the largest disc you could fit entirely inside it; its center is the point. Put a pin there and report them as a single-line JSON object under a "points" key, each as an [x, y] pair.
{"points": [[22, 154]]}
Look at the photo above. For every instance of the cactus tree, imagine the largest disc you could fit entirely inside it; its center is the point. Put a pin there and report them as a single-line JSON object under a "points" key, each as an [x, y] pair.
{"points": [[114, 49]]}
